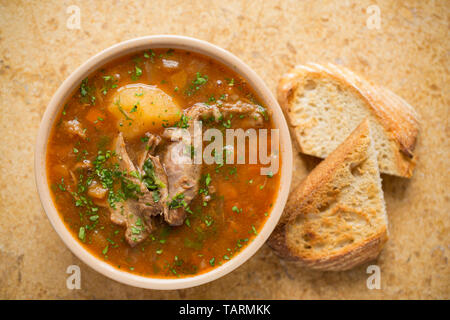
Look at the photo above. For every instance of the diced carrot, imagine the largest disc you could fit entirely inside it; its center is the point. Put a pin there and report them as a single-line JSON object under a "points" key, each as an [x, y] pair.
{"points": [[94, 115]]}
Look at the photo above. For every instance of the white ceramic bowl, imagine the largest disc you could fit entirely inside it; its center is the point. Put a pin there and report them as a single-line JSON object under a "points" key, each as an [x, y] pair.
{"points": [[93, 64]]}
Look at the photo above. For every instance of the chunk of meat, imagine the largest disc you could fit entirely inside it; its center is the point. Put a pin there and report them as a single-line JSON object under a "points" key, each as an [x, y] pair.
{"points": [[96, 190], [134, 214], [201, 111], [254, 113], [74, 128], [152, 142], [182, 173], [128, 214], [183, 180], [157, 174], [85, 164]]}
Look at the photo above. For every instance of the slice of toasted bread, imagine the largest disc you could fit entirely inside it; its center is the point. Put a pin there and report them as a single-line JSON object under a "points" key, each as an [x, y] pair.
{"points": [[336, 218], [325, 103]]}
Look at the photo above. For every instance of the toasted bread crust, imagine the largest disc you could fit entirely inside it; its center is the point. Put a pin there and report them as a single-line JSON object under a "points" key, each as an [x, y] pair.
{"points": [[345, 260], [397, 117], [315, 191]]}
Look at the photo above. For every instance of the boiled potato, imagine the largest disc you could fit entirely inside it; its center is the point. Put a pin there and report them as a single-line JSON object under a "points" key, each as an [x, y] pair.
{"points": [[141, 108]]}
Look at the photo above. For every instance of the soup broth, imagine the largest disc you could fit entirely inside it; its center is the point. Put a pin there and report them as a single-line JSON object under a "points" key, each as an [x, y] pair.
{"points": [[137, 98]]}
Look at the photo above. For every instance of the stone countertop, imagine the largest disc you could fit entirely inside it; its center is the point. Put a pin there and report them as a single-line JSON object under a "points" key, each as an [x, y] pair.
{"points": [[409, 54]]}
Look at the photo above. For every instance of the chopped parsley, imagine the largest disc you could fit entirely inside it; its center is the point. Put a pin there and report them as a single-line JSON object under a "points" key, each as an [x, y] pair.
{"points": [[119, 106], [109, 83], [149, 178], [207, 179], [236, 209], [196, 84], [134, 109], [136, 74], [177, 202], [82, 234], [183, 122], [87, 92]]}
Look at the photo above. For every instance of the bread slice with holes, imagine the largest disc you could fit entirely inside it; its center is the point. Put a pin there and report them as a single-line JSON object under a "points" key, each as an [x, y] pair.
{"points": [[325, 103], [336, 218]]}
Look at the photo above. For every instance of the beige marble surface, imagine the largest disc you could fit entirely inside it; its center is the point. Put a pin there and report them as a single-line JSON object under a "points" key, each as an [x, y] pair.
{"points": [[409, 54]]}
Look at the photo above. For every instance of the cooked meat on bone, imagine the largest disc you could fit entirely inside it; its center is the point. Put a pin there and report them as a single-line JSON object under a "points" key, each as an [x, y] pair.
{"points": [[73, 128], [134, 214], [152, 143], [157, 174], [253, 112], [183, 182], [182, 173]]}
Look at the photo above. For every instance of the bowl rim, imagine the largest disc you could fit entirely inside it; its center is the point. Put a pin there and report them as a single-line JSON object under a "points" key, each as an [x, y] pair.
{"points": [[136, 45]]}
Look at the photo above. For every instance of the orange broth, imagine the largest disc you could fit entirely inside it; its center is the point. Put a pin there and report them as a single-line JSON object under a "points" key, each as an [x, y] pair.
{"points": [[213, 232]]}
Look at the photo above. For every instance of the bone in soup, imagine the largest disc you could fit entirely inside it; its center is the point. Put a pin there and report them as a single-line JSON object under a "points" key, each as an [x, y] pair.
{"points": [[118, 164]]}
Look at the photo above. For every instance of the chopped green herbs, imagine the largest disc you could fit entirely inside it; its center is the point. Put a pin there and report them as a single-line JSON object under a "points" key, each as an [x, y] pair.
{"points": [[236, 209], [119, 106], [138, 71], [177, 202], [150, 179], [150, 54], [208, 179], [61, 185], [93, 178], [134, 109], [109, 82], [233, 171], [263, 111], [156, 196], [208, 221], [183, 122], [196, 84], [87, 92], [82, 234]]}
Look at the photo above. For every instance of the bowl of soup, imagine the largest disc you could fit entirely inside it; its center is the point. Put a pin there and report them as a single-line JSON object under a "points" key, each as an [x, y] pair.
{"points": [[163, 162]]}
